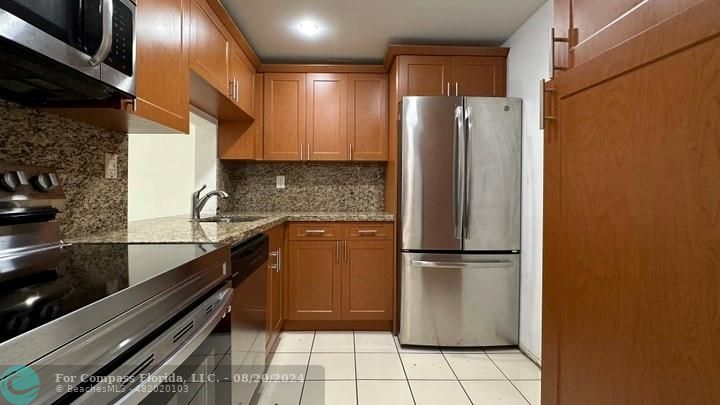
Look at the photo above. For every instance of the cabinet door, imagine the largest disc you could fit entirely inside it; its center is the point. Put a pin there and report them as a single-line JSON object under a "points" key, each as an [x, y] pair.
{"points": [[162, 63], [243, 140], [367, 280], [327, 116], [479, 76], [242, 80], [368, 117], [284, 116], [208, 46], [314, 280], [424, 75]]}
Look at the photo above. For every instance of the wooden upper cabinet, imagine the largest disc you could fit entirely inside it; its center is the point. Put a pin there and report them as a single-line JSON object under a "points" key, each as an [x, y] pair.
{"points": [[591, 16], [208, 46], [326, 116], [242, 80], [284, 115], [424, 75], [368, 117], [480, 76], [243, 140], [314, 280], [367, 281], [162, 63]]}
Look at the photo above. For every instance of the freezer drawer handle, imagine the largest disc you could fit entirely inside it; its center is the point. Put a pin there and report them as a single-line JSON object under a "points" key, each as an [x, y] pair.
{"points": [[493, 263]]}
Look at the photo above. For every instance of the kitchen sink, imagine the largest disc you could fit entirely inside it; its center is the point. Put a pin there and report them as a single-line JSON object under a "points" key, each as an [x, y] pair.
{"points": [[230, 218]]}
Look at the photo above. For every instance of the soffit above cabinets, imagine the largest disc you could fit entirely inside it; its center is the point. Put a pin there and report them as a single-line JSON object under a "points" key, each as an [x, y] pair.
{"points": [[353, 31]]}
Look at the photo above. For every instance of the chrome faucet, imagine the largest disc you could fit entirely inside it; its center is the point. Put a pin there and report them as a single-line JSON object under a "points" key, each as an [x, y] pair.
{"points": [[199, 203]]}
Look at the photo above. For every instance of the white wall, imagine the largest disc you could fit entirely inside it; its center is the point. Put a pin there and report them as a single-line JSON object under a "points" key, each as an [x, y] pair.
{"points": [[528, 62], [163, 170]]}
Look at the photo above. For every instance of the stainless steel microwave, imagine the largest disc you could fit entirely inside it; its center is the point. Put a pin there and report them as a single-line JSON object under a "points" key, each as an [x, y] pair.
{"points": [[67, 50]]}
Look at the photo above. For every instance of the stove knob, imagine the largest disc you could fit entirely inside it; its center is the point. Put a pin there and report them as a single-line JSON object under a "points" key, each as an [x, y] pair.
{"points": [[45, 182], [13, 180]]}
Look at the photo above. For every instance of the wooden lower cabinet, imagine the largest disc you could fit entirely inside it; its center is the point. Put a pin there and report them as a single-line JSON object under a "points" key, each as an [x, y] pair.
{"points": [[341, 280], [314, 280], [367, 281]]}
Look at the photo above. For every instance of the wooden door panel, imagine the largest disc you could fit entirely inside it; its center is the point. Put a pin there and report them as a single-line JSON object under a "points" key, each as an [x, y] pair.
{"points": [[162, 63], [367, 281], [314, 280], [327, 116], [275, 282], [640, 228], [479, 76], [368, 117], [208, 46], [424, 75], [284, 116], [242, 74]]}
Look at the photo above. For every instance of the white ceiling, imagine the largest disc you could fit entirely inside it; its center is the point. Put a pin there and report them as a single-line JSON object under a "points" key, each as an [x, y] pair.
{"points": [[359, 31]]}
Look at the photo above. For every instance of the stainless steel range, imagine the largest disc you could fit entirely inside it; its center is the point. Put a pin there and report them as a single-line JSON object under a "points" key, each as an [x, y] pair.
{"points": [[105, 323]]}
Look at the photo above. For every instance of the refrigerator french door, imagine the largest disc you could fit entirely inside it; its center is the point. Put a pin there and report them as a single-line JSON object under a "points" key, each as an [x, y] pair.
{"points": [[460, 220]]}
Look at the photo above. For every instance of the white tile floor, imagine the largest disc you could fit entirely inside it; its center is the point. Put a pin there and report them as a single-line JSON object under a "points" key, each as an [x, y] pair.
{"points": [[370, 368]]}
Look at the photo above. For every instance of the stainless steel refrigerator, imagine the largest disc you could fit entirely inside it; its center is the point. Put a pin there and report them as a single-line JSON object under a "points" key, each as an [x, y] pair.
{"points": [[460, 221]]}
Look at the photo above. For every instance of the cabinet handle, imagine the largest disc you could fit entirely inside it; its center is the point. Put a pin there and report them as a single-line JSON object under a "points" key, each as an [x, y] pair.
{"points": [[337, 251], [279, 260], [237, 90], [231, 85], [347, 253], [350, 151], [457, 88], [302, 146], [544, 117], [448, 89], [367, 232], [309, 152], [274, 254], [315, 231]]}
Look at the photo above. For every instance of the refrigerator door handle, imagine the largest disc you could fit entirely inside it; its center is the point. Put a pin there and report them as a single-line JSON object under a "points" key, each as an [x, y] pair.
{"points": [[458, 171], [446, 265], [468, 171]]}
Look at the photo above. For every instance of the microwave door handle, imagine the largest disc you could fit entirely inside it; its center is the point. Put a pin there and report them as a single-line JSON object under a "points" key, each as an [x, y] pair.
{"points": [[107, 35]]}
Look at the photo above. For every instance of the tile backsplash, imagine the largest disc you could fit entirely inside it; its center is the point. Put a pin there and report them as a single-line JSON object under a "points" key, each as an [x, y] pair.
{"points": [[309, 186], [76, 150]]}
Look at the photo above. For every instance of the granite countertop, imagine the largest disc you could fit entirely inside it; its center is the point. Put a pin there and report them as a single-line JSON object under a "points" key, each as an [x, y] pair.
{"points": [[179, 229]]}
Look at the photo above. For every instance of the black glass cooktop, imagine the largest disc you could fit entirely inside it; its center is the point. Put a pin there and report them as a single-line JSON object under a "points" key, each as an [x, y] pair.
{"points": [[38, 288]]}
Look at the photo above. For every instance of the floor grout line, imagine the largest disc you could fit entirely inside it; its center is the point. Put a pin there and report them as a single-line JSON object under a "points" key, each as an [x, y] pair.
{"points": [[509, 380], [412, 394], [456, 378], [307, 369]]}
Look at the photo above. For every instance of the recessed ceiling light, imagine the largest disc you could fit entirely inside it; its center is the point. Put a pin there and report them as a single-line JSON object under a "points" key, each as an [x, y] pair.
{"points": [[308, 28]]}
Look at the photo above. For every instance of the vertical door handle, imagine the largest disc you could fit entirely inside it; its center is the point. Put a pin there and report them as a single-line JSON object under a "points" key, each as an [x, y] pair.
{"points": [[448, 89], [347, 251], [309, 156], [302, 146], [231, 85], [467, 172], [458, 170], [107, 34], [457, 88], [351, 152], [337, 251]]}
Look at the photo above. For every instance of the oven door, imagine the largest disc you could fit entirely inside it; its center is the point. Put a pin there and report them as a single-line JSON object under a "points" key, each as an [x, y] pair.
{"points": [[189, 362]]}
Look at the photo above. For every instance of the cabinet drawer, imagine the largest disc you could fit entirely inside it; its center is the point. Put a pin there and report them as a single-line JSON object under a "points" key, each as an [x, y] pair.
{"points": [[315, 231], [368, 231]]}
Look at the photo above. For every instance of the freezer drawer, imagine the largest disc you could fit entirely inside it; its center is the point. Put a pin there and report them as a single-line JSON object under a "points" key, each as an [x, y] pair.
{"points": [[459, 300]]}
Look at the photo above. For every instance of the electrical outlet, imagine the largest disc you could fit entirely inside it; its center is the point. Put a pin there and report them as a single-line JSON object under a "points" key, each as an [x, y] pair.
{"points": [[280, 182], [111, 166]]}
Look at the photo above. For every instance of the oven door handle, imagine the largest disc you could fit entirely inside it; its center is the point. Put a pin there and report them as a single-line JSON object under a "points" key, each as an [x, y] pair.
{"points": [[103, 50], [155, 378]]}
